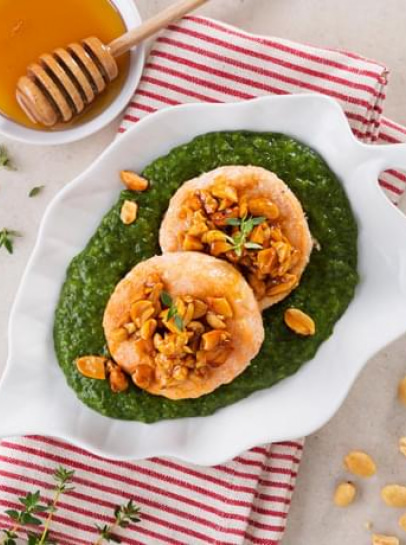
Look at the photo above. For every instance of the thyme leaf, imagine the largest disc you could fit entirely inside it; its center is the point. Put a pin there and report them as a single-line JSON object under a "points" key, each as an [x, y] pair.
{"points": [[36, 190], [6, 239], [239, 239], [5, 160]]}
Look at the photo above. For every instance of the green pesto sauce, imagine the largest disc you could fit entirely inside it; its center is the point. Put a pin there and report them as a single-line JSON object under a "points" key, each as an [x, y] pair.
{"points": [[325, 291]]}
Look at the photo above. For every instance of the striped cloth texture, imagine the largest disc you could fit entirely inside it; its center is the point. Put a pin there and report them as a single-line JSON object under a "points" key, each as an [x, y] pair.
{"points": [[247, 499]]}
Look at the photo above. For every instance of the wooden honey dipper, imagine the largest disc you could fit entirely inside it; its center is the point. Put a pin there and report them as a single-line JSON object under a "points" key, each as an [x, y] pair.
{"points": [[62, 84]]}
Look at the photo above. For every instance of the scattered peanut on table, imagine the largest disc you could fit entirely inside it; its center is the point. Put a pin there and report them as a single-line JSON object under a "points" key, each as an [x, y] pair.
{"points": [[402, 522], [402, 445], [394, 495], [384, 540], [360, 463], [345, 494]]}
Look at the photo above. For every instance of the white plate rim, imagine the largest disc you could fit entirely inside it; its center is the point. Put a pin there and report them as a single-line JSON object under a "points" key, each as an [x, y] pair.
{"points": [[362, 160]]}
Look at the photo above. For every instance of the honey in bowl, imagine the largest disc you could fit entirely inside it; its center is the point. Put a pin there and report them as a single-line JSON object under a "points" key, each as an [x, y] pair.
{"points": [[29, 28]]}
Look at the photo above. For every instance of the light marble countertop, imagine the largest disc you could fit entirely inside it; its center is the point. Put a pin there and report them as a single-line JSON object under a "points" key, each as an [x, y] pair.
{"points": [[370, 418]]}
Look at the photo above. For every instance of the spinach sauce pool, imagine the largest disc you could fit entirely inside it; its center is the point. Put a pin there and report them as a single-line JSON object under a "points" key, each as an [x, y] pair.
{"points": [[325, 291]]}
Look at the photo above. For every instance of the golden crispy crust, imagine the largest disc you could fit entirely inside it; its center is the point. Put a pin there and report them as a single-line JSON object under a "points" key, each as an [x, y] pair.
{"points": [[254, 182], [201, 276]]}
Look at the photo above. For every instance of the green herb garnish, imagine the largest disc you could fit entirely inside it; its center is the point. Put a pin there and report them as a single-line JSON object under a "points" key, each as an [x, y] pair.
{"points": [[239, 239], [6, 239], [31, 504], [124, 515], [173, 311], [36, 190], [5, 160]]}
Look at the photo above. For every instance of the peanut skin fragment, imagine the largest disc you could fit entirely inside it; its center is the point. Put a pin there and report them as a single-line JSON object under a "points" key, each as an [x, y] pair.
{"points": [[402, 391], [360, 463]]}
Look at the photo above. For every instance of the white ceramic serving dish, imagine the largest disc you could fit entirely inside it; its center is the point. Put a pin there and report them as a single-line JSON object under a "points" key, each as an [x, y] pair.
{"points": [[131, 17], [34, 397]]}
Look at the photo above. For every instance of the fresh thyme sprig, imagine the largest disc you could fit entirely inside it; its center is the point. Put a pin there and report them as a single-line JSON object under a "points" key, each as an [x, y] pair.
{"points": [[239, 239], [173, 311], [6, 239], [124, 515], [32, 505], [63, 477], [36, 539], [26, 515], [5, 160]]}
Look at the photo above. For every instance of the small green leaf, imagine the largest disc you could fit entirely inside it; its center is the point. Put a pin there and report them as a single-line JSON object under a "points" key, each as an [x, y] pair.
{"points": [[238, 251], [36, 190], [172, 312], [33, 539], [258, 220], [8, 245], [13, 514], [65, 489], [166, 299], [6, 239], [63, 475], [44, 539], [27, 518], [5, 160], [179, 322], [100, 529], [233, 221], [253, 246], [9, 539]]}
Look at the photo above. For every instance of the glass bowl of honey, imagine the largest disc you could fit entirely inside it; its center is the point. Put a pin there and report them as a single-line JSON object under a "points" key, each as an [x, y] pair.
{"points": [[29, 28]]}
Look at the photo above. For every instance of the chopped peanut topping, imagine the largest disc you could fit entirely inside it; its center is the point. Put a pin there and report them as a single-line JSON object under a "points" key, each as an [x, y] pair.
{"points": [[243, 230], [176, 337], [118, 379]]}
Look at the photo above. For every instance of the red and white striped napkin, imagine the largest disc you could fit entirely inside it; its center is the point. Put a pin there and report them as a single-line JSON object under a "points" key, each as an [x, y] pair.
{"points": [[246, 500]]}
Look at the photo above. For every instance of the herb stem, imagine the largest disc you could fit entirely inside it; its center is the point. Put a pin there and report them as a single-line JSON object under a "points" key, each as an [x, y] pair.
{"points": [[111, 530], [48, 521], [16, 528]]}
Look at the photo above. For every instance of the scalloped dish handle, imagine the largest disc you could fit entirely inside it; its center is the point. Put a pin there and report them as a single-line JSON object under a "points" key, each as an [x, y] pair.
{"points": [[388, 156]]}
